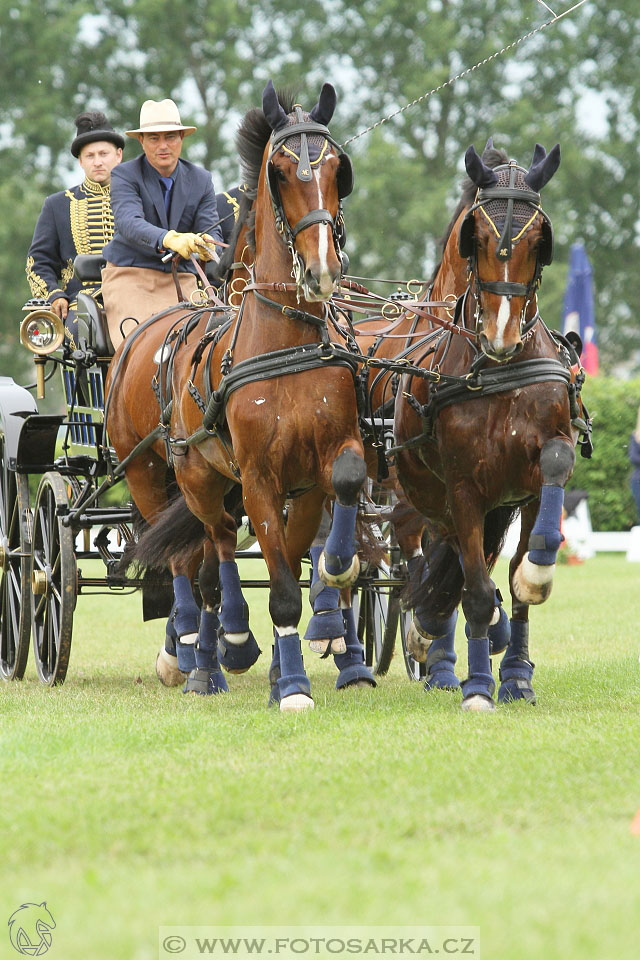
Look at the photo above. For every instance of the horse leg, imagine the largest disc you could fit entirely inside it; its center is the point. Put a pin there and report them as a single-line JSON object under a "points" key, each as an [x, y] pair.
{"points": [[290, 685], [516, 667], [339, 565], [478, 603], [325, 630], [533, 579], [207, 678], [237, 646], [431, 636]]}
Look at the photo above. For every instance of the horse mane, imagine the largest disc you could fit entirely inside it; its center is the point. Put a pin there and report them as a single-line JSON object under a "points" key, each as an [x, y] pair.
{"points": [[251, 138], [493, 158]]}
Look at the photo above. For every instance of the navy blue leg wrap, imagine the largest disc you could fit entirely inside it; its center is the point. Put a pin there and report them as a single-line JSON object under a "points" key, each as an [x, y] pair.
{"points": [[326, 622], [546, 536], [234, 612], [185, 653], [186, 612], [516, 670], [274, 673], [207, 677], [351, 663], [441, 657], [480, 679], [292, 678], [170, 634], [234, 618], [500, 632], [340, 546]]}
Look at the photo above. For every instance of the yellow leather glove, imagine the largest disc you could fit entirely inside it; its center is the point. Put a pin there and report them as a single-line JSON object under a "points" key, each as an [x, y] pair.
{"points": [[188, 243]]}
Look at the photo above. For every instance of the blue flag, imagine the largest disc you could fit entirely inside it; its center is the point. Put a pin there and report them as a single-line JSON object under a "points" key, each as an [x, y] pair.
{"points": [[579, 310]]}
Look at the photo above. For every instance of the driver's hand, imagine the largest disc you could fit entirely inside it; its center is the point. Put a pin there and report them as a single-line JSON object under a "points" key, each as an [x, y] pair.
{"points": [[60, 306], [187, 243]]}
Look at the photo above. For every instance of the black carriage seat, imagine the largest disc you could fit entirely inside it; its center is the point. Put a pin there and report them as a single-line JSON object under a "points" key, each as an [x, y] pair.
{"points": [[88, 268]]}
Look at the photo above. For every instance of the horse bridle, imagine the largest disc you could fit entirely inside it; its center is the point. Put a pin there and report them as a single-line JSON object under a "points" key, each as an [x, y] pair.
{"points": [[304, 128], [467, 246]]}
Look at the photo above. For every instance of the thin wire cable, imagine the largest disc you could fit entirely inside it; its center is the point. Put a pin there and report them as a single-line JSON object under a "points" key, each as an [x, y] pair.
{"points": [[464, 73]]}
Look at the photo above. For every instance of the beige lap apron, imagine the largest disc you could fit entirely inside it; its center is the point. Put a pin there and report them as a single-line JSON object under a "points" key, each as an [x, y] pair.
{"points": [[138, 292]]}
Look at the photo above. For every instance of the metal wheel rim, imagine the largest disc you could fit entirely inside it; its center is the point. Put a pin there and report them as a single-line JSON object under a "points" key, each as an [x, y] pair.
{"points": [[54, 556], [15, 607]]}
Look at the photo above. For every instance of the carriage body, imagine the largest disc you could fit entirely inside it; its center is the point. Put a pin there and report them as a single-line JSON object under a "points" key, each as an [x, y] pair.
{"points": [[57, 469]]}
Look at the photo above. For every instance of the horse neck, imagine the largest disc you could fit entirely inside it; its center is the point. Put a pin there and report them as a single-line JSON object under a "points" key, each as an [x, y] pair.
{"points": [[452, 275]]}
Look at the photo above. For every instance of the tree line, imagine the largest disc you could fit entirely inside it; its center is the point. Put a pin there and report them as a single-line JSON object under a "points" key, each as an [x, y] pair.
{"points": [[573, 82]]}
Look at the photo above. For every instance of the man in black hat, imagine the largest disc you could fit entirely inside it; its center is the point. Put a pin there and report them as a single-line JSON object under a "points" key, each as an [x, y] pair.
{"points": [[77, 220]]}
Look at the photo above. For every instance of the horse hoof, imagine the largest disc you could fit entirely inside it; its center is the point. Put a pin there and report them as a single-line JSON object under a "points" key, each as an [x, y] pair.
{"points": [[339, 580], [167, 670], [295, 703], [417, 644], [359, 683], [532, 582], [326, 647], [478, 704]]}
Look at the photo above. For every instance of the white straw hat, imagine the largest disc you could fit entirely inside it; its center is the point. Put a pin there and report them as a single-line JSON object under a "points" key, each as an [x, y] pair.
{"points": [[159, 117]]}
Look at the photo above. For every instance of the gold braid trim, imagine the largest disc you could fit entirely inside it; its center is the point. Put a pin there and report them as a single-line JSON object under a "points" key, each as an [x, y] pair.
{"points": [[91, 217], [37, 283]]}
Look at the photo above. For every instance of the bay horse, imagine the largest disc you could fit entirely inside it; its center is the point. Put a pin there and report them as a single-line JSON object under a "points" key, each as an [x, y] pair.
{"points": [[269, 402], [490, 428], [397, 334]]}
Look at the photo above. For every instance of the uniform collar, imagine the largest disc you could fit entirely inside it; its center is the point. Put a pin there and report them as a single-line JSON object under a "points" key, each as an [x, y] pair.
{"points": [[99, 189]]}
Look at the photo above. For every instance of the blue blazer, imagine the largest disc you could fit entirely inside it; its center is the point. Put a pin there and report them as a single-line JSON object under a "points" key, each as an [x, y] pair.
{"points": [[139, 215]]}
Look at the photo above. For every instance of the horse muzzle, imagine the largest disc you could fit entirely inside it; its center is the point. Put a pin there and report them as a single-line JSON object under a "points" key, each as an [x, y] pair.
{"points": [[499, 353]]}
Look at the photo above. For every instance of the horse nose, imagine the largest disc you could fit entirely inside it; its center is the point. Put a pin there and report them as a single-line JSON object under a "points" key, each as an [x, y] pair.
{"points": [[321, 281], [499, 353]]}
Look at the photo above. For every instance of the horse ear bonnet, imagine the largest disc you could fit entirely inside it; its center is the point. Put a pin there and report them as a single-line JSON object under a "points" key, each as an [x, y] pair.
{"points": [[345, 176]]}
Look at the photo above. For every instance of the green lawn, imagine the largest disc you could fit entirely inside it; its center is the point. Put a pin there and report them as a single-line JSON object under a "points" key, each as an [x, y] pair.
{"points": [[127, 806]]}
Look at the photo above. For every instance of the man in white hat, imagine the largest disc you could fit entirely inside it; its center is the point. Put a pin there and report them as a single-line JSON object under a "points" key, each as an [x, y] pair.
{"points": [[161, 203]]}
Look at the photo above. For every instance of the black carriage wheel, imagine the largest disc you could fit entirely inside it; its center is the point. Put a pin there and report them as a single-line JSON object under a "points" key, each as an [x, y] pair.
{"points": [[15, 572], [377, 622], [53, 580]]}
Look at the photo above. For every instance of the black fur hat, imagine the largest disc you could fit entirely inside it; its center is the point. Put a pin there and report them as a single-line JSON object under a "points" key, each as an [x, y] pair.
{"points": [[94, 126]]}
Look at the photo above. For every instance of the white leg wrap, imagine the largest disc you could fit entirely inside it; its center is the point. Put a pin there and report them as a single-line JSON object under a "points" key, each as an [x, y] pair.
{"points": [[237, 639], [189, 638]]}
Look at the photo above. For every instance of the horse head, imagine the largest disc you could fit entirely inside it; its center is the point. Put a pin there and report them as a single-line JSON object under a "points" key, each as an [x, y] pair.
{"points": [[306, 175], [507, 239]]}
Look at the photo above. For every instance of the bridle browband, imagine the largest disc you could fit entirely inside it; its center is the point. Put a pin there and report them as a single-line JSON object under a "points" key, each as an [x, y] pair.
{"points": [[304, 128]]}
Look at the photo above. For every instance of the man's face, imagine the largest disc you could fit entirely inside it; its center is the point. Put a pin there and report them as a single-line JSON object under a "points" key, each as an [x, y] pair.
{"points": [[98, 160], [162, 150]]}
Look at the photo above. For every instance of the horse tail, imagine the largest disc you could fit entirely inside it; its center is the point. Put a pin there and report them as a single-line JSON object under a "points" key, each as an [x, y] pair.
{"points": [[175, 535], [436, 579], [496, 525]]}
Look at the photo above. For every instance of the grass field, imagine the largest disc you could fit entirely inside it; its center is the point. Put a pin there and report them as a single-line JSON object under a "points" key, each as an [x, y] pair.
{"points": [[127, 806]]}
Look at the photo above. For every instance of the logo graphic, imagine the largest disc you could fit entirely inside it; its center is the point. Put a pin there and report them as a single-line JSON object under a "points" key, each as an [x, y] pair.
{"points": [[30, 929]]}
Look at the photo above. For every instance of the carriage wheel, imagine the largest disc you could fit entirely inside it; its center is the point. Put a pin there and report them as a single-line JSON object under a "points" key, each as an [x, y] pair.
{"points": [[378, 616], [54, 581], [15, 569]]}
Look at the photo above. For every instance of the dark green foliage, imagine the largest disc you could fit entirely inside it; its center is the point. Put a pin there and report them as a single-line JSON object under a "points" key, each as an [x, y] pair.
{"points": [[613, 404]]}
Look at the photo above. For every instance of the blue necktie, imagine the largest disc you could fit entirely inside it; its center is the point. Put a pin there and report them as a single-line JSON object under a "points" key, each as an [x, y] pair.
{"points": [[167, 184]]}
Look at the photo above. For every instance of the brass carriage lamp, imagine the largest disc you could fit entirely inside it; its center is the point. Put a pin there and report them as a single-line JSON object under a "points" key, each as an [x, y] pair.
{"points": [[41, 332]]}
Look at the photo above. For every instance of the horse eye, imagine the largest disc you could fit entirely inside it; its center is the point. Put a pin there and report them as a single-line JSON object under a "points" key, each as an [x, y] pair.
{"points": [[280, 175]]}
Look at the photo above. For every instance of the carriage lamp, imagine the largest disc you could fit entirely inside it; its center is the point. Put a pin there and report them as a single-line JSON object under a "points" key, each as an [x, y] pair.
{"points": [[42, 332]]}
